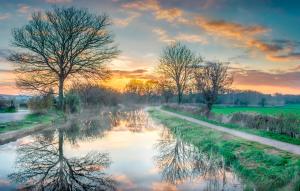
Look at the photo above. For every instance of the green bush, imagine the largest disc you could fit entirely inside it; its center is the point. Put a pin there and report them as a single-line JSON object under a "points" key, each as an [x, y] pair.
{"points": [[72, 102]]}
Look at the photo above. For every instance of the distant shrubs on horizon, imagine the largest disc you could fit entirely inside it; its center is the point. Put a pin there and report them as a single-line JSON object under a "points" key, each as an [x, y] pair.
{"points": [[95, 95]]}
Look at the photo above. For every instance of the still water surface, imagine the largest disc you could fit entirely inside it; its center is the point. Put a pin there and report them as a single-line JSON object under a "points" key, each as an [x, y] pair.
{"points": [[111, 150]]}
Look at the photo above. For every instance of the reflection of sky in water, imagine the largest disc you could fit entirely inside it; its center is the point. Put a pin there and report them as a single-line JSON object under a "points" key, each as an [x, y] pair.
{"points": [[132, 153]]}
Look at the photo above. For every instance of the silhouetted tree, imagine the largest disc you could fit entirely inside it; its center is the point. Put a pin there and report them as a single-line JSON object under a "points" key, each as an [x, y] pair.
{"points": [[135, 86], [176, 64], [61, 43], [165, 89], [212, 79]]}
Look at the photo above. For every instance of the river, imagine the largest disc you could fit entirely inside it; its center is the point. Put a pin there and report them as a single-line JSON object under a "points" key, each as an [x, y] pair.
{"points": [[111, 150], [19, 115]]}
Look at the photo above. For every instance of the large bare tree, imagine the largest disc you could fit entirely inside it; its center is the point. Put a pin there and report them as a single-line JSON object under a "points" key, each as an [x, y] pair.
{"points": [[59, 44], [176, 64], [212, 79]]}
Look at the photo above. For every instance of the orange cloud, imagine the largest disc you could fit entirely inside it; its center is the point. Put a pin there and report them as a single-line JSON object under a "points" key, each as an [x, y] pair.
{"points": [[229, 29], [153, 5]]}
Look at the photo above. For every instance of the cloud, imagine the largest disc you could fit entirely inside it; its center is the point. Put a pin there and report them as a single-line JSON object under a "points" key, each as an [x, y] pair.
{"points": [[24, 9], [4, 16], [125, 181], [260, 78], [192, 38], [140, 73], [169, 14], [126, 21], [58, 1], [229, 29], [160, 186], [244, 36]]}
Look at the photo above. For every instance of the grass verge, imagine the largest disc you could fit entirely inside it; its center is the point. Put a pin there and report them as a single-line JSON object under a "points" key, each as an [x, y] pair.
{"points": [[262, 133], [260, 167], [29, 121]]}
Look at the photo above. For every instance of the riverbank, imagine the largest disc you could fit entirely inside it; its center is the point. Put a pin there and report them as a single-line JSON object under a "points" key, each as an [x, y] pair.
{"points": [[10, 131], [258, 132], [260, 167]]}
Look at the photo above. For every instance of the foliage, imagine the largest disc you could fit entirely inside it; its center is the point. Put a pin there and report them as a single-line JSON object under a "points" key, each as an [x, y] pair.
{"points": [[41, 104], [72, 102], [283, 124], [260, 167], [7, 106], [94, 94]]}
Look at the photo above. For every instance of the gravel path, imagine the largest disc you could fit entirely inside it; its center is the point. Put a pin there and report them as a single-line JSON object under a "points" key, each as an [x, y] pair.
{"points": [[295, 149]]}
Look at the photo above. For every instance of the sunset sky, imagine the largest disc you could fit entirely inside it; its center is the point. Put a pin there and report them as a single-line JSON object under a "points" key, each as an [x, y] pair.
{"points": [[260, 38]]}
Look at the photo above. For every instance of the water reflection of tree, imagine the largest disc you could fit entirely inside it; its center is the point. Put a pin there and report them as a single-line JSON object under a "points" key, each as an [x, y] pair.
{"points": [[180, 161], [42, 165], [136, 120]]}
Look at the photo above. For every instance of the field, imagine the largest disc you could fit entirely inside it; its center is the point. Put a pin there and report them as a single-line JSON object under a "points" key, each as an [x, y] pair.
{"points": [[292, 109]]}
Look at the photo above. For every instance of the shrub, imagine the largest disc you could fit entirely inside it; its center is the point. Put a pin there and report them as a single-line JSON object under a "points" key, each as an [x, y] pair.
{"points": [[72, 102], [41, 104], [94, 95], [287, 124]]}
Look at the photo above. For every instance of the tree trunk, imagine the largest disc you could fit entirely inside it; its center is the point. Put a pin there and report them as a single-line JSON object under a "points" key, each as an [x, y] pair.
{"points": [[208, 109], [61, 94], [179, 98]]}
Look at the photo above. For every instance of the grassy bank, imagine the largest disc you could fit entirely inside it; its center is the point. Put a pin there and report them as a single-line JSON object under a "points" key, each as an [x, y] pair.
{"points": [[259, 166], [29, 121], [262, 133]]}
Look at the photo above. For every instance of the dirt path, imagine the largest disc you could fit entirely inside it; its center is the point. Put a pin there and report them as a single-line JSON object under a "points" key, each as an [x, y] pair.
{"points": [[266, 141]]}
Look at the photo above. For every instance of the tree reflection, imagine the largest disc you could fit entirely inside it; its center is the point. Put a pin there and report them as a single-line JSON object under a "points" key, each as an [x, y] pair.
{"points": [[42, 165], [179, 161], [136, 120]]}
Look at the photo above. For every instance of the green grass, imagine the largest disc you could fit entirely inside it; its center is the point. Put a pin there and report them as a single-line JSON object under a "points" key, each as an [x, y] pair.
{"points": [[262, 133], [29, 121], [261, 166], [294, 109], [8, 110]]}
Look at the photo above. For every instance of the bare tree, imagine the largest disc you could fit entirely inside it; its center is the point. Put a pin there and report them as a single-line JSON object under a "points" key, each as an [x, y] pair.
{"points": [[176, 64], [62, 43], [165, 89], [211, 80]]}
